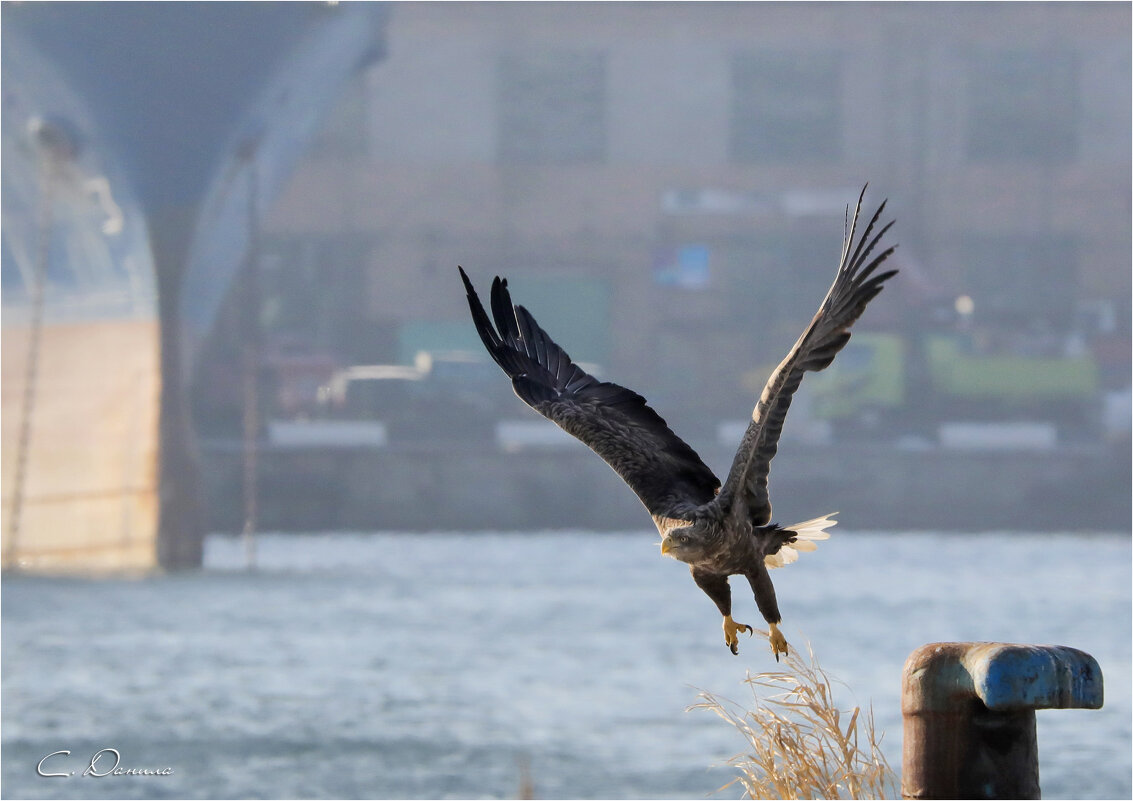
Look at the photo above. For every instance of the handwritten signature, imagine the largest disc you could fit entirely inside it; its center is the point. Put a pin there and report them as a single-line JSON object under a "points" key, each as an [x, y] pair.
{"points": [[105, 762]]}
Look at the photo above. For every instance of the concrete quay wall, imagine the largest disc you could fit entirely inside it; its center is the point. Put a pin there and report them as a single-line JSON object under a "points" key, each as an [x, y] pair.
{"points": [[465, 486]]}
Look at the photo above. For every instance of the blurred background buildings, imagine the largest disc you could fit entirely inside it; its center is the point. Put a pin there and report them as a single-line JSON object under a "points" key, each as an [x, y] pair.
{"points": [[665, 185], [667, 182]]}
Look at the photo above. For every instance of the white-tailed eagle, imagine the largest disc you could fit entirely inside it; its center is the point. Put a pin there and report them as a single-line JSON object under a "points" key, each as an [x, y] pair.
{"points": [[719, 531]]}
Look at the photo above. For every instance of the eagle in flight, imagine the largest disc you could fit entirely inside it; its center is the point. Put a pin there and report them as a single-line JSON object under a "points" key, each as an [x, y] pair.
{"points": [[719, 531]]}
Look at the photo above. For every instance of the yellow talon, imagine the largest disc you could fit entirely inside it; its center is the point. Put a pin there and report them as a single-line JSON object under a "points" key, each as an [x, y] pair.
{"points": [[731, 627], [778, 642]]}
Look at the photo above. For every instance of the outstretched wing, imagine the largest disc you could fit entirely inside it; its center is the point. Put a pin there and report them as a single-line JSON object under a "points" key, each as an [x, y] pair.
{"points": [[613, 421], [855, 285]]}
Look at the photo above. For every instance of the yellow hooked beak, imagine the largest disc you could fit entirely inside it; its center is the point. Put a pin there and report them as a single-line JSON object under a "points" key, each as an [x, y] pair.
{"points": [[666, 545]]}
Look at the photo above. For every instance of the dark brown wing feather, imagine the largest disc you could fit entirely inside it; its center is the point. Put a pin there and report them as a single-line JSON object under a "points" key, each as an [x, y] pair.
{"points": [[613, 421], [855, 285]]}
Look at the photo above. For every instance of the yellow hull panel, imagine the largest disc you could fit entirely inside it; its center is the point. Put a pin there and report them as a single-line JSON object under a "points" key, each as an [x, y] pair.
{"points": [[88, 490]]}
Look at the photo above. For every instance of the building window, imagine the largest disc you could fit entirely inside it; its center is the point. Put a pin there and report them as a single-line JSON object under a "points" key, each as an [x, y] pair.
{"points": [[1022, 106], [754, 268], [785, 107], [313, 290], [551, 107], [1023, 281]]}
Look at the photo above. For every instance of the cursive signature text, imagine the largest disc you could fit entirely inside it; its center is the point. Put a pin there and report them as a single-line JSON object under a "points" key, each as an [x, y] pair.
{"points": [[104, 762]]}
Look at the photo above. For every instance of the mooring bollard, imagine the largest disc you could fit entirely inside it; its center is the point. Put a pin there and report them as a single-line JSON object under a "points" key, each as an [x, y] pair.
{"points": [[969, 710]]}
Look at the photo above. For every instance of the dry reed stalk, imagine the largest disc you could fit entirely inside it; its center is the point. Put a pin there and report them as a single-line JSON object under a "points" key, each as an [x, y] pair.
{"points": [[798, 745]]}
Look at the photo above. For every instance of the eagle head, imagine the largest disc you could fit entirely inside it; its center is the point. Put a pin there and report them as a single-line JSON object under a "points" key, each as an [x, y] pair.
{"points": [[688, 544]]}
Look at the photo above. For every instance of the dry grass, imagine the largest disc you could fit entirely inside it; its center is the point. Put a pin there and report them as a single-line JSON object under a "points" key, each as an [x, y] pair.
{"points": [[799, 746]]}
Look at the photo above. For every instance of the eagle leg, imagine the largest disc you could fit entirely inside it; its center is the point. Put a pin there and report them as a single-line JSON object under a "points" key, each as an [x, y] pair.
{"points": [[778, 641], [765, 599], [731, 628], [716, 587]]}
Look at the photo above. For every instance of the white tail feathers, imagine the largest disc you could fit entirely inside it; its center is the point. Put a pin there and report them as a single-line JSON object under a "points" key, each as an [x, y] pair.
{"points": [[806, 536]]}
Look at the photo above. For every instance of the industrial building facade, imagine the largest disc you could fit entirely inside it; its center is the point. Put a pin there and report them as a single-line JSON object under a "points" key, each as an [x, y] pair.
{"points": [[664, 183]]}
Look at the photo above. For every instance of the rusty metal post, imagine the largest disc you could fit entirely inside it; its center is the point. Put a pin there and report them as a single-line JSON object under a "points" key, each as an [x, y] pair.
{"points": [[253, 347], [969, 712]]}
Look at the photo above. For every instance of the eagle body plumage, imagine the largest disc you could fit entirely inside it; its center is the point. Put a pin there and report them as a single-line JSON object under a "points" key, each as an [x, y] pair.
{"points": [[719, 529]]}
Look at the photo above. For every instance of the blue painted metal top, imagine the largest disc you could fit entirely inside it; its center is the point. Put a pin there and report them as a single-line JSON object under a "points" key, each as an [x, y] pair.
{"points": [[1035, 677], [1005, 677]]}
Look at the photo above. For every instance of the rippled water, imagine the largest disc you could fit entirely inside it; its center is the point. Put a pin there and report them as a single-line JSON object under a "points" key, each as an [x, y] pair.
{"points": [[447, 665]]}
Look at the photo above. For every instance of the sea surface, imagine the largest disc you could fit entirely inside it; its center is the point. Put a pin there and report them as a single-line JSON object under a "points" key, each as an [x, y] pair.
{"points": [[393, 665]]}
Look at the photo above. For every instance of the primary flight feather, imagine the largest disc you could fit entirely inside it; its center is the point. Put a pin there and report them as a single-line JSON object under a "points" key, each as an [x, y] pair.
{"points": [[718, 530]]}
